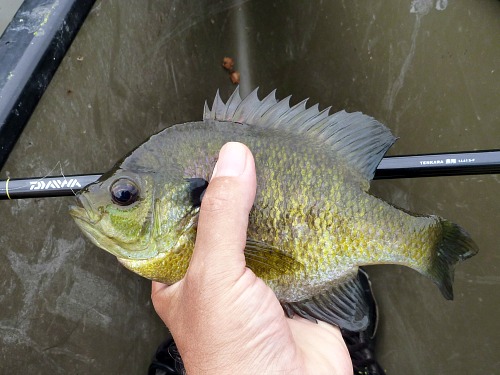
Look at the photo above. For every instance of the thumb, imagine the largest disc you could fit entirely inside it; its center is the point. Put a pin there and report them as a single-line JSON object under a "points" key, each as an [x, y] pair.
{"points": [[223, 219]]}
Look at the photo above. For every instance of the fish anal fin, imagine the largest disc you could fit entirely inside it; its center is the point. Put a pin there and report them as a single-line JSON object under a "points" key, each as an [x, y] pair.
{"points": [[344, 305]]}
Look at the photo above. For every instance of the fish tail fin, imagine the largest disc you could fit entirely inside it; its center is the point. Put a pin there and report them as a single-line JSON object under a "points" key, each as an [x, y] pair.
{"points": [[455, 245]]}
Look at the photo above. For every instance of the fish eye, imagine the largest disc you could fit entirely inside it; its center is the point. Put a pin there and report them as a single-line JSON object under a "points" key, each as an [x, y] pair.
{"points": [[124, 192], [197, 187]]}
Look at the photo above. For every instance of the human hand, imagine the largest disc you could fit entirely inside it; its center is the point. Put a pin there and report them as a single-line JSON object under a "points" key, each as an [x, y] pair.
{"points": [[224, 319]]}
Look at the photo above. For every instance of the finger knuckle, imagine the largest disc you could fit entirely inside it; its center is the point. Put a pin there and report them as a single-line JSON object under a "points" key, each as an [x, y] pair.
{"points": [[219, 196]]}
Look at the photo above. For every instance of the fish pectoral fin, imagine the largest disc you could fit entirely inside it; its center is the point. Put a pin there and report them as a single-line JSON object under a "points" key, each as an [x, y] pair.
{"points": [[345, 305], [269, 262]]}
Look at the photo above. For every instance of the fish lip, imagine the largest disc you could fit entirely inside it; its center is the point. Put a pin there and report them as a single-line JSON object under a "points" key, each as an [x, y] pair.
{"points": [[83, 211]]}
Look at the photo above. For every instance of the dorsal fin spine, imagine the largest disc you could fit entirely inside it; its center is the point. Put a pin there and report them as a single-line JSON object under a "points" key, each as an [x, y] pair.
{"points": [[275, 112], [306, 115], [247, 107], [287, 116], [231, 105], [265, 104], [313, 121], [218, 107], [206, 111]]}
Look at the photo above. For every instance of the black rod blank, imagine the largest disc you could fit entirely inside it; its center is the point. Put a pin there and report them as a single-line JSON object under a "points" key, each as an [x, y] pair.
{"points": [[54, 186], [391, 167], [438, 165]]}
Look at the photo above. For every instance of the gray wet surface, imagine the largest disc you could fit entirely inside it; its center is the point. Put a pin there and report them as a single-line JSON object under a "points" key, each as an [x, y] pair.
{"points": [[428, 69], [7, 10]]}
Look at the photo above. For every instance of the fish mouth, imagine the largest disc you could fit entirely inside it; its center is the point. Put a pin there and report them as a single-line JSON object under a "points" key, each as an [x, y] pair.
{"points": [[85, 219], [88, 222], [83, 212]]}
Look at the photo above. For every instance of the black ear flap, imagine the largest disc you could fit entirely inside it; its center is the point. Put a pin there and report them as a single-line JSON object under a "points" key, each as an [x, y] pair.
{"points": [[197, 187]]}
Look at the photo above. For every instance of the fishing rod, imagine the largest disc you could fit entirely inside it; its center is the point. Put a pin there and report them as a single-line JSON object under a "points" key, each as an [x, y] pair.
{"points": [[391, 167]]}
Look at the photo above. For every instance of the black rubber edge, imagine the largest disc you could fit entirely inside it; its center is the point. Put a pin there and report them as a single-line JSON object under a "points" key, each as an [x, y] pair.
{"points": [[31, 49]]}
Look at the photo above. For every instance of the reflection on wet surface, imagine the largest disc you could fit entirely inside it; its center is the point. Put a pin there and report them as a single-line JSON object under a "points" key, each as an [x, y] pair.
{"points": [[428, 69]]}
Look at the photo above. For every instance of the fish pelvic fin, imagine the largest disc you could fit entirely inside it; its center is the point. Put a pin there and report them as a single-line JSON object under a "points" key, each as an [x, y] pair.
{"points": [[345, 305], [359, 140], [455, 245]]}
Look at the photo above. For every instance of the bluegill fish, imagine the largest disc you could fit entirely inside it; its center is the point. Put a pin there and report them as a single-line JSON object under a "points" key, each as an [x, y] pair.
{"points": [[313, 222]]}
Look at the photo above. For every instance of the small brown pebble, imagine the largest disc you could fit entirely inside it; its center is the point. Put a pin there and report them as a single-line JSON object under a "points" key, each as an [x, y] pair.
{"points": [[228, 63], [235, 77]]}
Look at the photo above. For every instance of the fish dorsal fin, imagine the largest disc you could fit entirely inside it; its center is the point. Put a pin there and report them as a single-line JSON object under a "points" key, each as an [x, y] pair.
{"points": [[360, 140]]}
